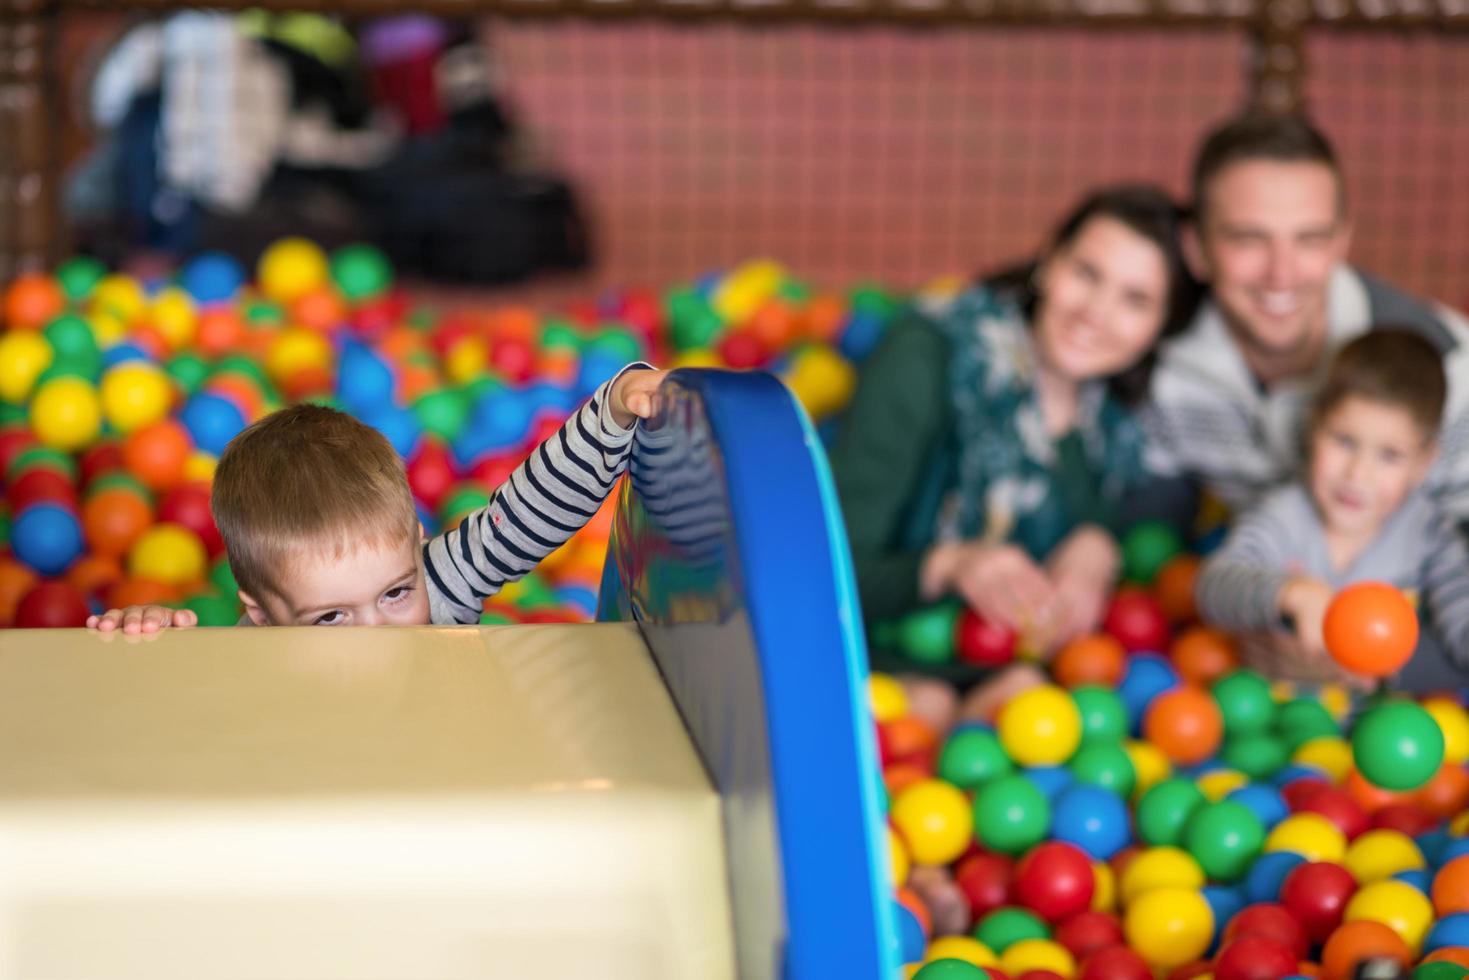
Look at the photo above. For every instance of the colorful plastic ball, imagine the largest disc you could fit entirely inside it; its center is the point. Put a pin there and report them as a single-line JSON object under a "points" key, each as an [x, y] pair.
{"points": [[1103, 716], [32, 300], [51, 605], [1257, 755], [65, 413], [906, 740], [1447, 793], [1011, 815], [1002, 928], [885, 694], [46, 537], [950, 968], [1055, 881], [964, 948], [1216, 784], [972, 757], [156, 454], [982, 643], [1090, 660], [1395, 904], [1302, 719], [1164, 810], [1088, 932], [1397, 745], [1115, 963], [1225, 837], [821, 379], [1310, 835], [442, 413], [1453, 721], [212, 277], [212, 421], [1440, 971], [1137, 621], [1186, 724], [1050, 780], [1451, 930], [985, 879], [911, 935], [1037, 955], [24, 356], [1451, 886], [291, 267], [1149, 763], [927, 635], [1104, 898], [40, 485], [188, 507], [1379, 854], [1371, 629], [1040, 727], [1203, 654], [1245, 702], [1456, 955], [1272, 921], [79, 275], [1329, 754], [1254, 957], [1169, 926], [1148, 675], [1266, 803], [1159, 867], [135, 394], [1146, 548], [1093, 819], [1267, 875], [1419, 878], [1105, 764], [1354, 942], [169, 554], [1316, 893]]}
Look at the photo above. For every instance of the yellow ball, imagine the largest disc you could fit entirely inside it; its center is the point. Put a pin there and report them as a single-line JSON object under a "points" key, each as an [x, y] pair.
{"points": [[119, 296], [696, 358], [1169, 926], [135, 394], [888, 699], [1037, 954], [1454, 723], [898, 857], [174, 315], [199, 467], [1336, 699], [66, 413], [964, 948], [1380, 854], [1220, 783], [109, 328], [822, 380], [1396, 904], [1040, 727], [466, 360], [168, 553], [290, 268], [741, 294], [1149, 764], [24, 354], [935, 820], [1310, 835], [295, 349], [1160, 867], [1328, 753], [1104, 895]]}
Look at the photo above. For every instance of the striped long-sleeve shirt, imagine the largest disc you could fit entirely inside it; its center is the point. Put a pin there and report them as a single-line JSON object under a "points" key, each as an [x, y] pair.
{"points": [[1418, 550], [546, 500]]}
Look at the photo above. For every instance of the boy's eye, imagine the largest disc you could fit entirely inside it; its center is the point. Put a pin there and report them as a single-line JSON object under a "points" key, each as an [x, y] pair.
{"points": [[333, 618], [396, 593]]}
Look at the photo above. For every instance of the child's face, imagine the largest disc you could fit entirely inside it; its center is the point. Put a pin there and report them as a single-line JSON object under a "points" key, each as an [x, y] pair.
{"points": [[373, 585], [1366, 457]]}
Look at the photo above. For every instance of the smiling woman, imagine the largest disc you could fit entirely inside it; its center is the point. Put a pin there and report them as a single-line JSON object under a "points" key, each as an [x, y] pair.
{"points": [[992, 437]]}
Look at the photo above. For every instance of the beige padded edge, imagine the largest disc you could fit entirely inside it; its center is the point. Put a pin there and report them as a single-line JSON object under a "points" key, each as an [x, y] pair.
{"points": [[394, 804]]}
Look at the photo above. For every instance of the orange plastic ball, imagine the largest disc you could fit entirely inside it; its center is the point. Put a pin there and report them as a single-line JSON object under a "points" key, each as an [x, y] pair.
{"points": [[1458, 955], [1353, 942], [897, 778], [1447, 792], [1174, 588], [113, 519], [156, 454], [1451, 887], [517, 322], [1373, 798], [219, 331], [320, 309], [1185, 724], [1371, 629], [1098, 659], [140, 592], [1203, 654], [824, 318], [774, 325], [907, 740], [94, 575], [15, 581], [32, 301]]}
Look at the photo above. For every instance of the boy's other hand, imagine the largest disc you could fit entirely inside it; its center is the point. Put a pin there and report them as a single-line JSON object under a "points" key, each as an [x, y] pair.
{"points": [[143, 619], [1304, 600], [635, 396]]}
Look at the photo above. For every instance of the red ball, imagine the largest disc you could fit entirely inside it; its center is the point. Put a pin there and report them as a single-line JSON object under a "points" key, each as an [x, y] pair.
{"points": [[513, 357], [1316, 893], [985, 880], [41, 484], [1115, 963], [1337, 806], [431, 472], [14, 440], [1272, 921], [188, 506], [1137, 621], [376, 316], [1255, 957], [104, 457], [491, 471], [740, 351], [1089, 932], [51, 605], [982, 643], [1407, 818], [1055, 880], [1298, 791]]}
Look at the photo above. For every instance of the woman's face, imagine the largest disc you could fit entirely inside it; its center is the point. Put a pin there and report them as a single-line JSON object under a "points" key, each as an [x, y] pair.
{"points": [[1102, 299]]}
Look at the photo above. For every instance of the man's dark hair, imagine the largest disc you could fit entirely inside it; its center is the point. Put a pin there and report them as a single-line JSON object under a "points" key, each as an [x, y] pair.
{"points": [[1261, 136]]}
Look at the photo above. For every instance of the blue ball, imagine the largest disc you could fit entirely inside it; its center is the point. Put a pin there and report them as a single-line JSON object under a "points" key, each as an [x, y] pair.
{"points": [[46, 537], [578, 597], [399, 425], [499, 422], [910, 939], [1267, 874], [1093, 819], [125, 351], [1051, 780], [1419, 878], [364, 380], [1432, 844], [1225, 902], [212, 420], [596, 367], [1451, 930], [1148, 675], [861, 335], [546, 396], [1456, 847], [1263, 802], [212, 277]]}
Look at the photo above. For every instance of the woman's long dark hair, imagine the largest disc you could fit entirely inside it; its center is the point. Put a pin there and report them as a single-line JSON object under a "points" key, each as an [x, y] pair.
{"points": [[1151, 213]]}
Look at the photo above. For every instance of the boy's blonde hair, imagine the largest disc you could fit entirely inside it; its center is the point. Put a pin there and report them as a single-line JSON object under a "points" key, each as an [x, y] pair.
{"points": [[312, 477]]}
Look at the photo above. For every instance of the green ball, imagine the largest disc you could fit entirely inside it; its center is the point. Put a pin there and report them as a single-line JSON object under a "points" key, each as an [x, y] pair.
{"points": [[693, 325], [12, 413], [71, 336], [488, 618], [927, 635], [1302, 719], [617, 343], [868, 298], [442, 412], [1103, 715], [1440, 971], [79, 275], [1225, 838], [223, 577], [87, 366], [1245, 702], [266, 312], [120, 480], [361, 271], [1165, 810], [1105, 764], [533, 593], [949, 968], [561, 335], [1011, 814], [460, 501], [1258, 756], [189, 370], [1146, 548], [1397, 745], [1004, 927], [242, 365], [972, 757], [41, 457], [215, 610], [794, 291]]}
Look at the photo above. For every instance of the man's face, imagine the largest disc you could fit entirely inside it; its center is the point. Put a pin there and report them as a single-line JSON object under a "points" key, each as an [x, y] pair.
{"points": [[1269, 236]]}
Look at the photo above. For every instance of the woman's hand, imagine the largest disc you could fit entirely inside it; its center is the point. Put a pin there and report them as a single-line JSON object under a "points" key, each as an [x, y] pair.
{"points": [[998, 581], [1083, 570]]}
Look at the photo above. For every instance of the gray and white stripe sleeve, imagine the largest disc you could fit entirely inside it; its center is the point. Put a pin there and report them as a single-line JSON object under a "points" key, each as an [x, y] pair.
{"points": [[546, 500], [1445, 588], [1240, 584]]}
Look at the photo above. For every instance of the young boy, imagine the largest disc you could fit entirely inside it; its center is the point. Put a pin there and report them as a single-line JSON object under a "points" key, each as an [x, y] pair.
{"points": [[321, 530], [1361, 514]]}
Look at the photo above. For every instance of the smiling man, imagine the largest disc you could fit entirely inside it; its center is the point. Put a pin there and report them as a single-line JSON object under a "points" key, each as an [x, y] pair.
{"points": [[1270, 236]]}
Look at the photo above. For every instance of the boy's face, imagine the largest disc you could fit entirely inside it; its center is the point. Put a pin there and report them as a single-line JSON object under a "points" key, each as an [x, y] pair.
{"points": [[377, 584], [1366, 457]]}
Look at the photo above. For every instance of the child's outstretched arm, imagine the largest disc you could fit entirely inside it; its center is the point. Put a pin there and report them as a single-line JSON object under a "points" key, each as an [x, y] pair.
{"points": [[546, 500], [143, 619]]}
